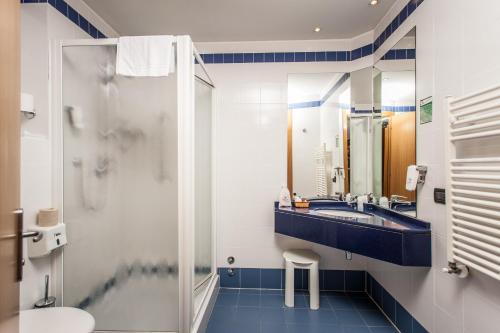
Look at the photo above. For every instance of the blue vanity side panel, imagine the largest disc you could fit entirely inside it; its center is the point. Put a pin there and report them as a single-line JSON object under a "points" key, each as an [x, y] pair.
{"points": [[417, 249], [406, 249], [309, 229], [370, 242], [283, 223]]}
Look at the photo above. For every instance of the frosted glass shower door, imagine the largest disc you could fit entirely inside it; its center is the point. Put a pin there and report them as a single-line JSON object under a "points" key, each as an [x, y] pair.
{"points": [[120, 193], [203, 183]]}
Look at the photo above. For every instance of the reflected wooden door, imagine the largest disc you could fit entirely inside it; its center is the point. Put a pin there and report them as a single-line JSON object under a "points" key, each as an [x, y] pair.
{"points": [[9, 164], [402, 152]]}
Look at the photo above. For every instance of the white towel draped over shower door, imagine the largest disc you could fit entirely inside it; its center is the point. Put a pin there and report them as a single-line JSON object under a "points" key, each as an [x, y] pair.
{"points": [[145, 56]]}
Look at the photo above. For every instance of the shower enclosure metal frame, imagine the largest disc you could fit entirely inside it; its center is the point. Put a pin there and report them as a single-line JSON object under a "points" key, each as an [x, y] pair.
{"points": [[189, 319]]}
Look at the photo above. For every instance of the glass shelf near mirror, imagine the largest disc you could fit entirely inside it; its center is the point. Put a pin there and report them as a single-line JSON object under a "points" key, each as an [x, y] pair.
{"points": [[355, 132]]}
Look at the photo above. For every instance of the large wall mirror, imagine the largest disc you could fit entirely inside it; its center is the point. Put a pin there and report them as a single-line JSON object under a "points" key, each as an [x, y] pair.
{"points": [[394, 123], [355, 132], [317, 105]]}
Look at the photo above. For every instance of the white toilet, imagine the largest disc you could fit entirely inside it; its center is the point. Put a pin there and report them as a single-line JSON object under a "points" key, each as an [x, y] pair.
{"points": [[56, 320]]}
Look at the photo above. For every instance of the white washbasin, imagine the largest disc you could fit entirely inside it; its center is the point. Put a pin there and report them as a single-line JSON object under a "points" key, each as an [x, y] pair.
{"points": [[343, 213], [56, 320]]}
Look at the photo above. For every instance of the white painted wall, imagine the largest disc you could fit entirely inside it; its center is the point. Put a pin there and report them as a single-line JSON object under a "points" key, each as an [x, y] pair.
{"points": [[41, 25], [457, 53]]}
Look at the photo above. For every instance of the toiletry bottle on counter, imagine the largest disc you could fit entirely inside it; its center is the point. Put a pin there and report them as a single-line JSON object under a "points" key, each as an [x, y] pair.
{"points": [[362, 199], [285, 200]]}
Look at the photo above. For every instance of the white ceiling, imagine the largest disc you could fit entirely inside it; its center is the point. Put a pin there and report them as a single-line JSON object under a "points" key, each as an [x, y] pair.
{"points": [[242, 20]]}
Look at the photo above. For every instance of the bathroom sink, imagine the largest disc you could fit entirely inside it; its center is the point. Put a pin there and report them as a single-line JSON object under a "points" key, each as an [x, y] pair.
{"points": [[343, 213], [56, 320]]}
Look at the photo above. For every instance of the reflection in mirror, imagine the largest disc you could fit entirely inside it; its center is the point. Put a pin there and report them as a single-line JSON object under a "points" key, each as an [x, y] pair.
{"points": [[354, 133], [393, 126], [359, 122], [318, 105]]}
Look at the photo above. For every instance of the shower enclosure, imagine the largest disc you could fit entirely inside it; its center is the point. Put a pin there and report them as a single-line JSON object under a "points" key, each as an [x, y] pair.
{"points": [[134, 185]]}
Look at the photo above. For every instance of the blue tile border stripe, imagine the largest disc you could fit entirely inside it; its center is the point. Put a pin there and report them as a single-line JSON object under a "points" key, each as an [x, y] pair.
{"points": [[400, 108], [274, 278], [335, 87], [70, 13], [319, 56], [279, 57], [304, 105], [313, 104], [403, 320]]}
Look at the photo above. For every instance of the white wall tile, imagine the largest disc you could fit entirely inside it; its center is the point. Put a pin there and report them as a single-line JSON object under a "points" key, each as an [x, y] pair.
{"points": [[454, 46]]}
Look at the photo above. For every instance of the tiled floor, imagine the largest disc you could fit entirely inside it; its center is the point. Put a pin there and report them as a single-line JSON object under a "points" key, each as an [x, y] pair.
{"points": [[263, 311]]}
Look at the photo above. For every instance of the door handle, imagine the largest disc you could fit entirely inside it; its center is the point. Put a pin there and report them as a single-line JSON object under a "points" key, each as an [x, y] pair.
{"points": [[19, 238]]}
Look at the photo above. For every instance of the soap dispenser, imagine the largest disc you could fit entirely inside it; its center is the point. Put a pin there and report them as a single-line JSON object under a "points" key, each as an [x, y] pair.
{"points": [[47, 301]]}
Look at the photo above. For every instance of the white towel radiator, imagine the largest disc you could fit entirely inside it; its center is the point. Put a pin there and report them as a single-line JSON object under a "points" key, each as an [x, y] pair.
{"points": [[473, 183]]}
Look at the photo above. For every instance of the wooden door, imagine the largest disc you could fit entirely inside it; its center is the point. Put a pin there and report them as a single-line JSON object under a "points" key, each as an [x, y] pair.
{"points": [[402, 152], [9, 164]]}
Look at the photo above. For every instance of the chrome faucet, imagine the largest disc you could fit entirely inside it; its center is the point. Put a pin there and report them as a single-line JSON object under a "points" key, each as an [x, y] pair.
{"points": [[398, 199]]}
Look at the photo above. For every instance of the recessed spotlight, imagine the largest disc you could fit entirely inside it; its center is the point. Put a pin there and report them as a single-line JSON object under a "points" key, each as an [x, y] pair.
{"points": [[374, 2], [317, 29]]}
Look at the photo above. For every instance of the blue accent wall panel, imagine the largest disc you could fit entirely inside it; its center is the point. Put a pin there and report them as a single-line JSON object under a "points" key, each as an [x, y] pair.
{"points": [[250, 278], [403, 320], [273, 278]]}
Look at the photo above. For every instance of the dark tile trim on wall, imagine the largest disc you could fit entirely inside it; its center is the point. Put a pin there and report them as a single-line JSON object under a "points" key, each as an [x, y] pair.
{"points": [[403, 320], [319, 56], [269, 57], [70, 13], [333, 280]]}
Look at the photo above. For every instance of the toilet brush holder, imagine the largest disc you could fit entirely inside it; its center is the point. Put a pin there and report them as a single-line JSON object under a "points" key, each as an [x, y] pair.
{"points": [[47, 301]]}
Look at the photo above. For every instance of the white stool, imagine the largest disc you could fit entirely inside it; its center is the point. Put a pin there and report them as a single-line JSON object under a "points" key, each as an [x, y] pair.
{"points": [[304, 259]]}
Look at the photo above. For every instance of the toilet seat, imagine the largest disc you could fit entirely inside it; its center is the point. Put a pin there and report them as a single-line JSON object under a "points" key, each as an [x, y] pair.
{"points": [[56, 320]]}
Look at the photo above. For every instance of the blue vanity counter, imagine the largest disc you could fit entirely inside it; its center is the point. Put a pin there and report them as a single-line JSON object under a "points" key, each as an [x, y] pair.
{"points": [[379, 233]]}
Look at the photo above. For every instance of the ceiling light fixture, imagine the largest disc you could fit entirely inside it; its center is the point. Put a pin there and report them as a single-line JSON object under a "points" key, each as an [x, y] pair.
{"points": [[317, 29], [374, 2]]}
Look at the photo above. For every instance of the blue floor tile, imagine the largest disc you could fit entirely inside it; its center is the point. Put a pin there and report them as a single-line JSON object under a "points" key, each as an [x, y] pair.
{"points": [[294, 315], [272, 301], [271, 315], [374, 318], [323, 316], [363, 303], [388, 329], [247, 315], [222, 313], [349, 318], [301, 301], [229, 327], [227, 300], [313, 328], [356, 329], [340, 302], [249, 300], [263, 311], [273, 328]]}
